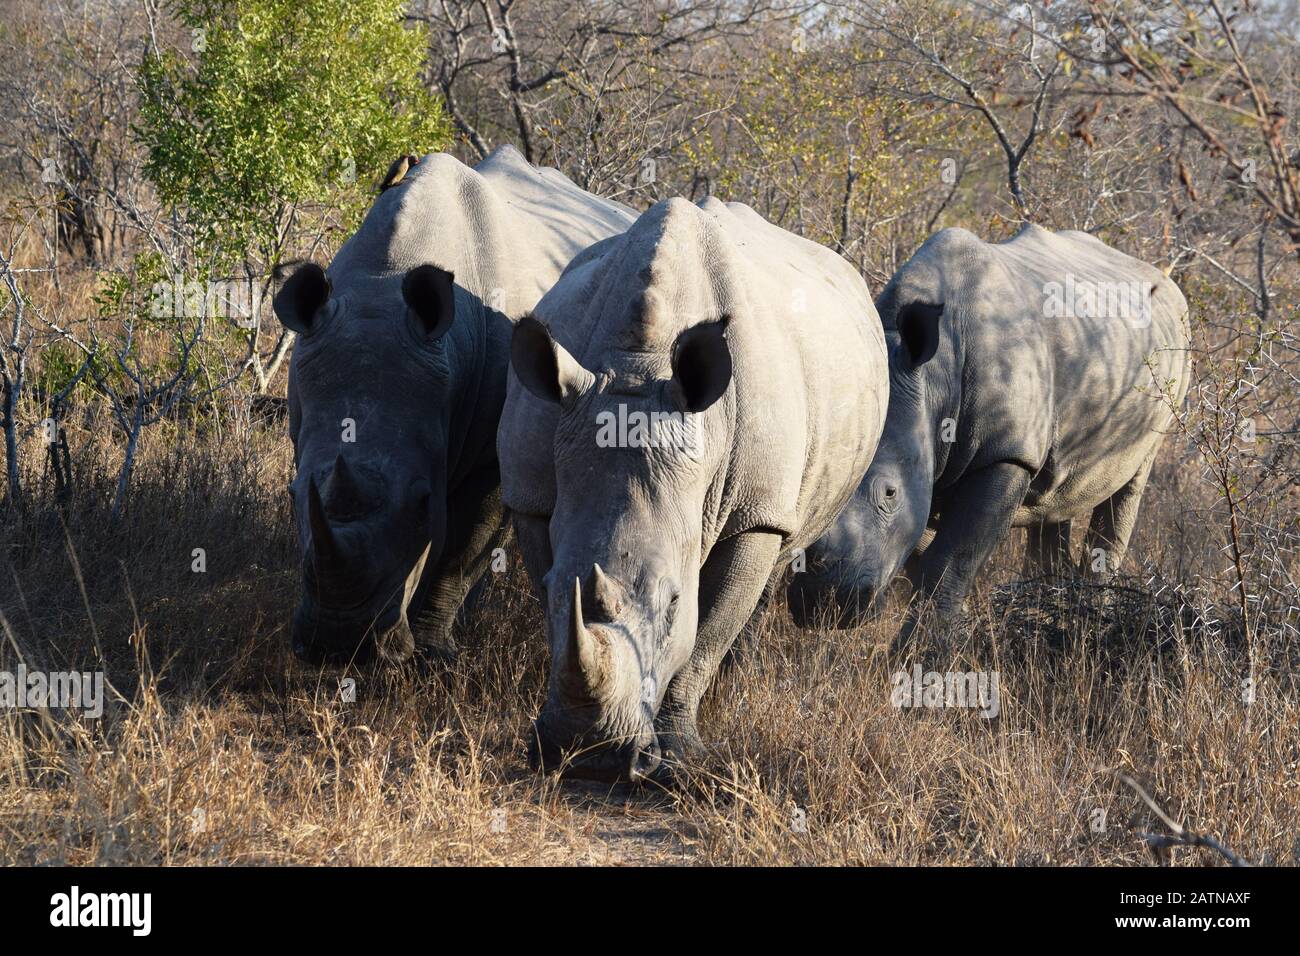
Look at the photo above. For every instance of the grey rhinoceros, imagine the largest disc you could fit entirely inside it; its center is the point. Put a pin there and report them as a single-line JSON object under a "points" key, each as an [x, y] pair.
{"points": [[692, 403], [396, 386], [1031, 383]]}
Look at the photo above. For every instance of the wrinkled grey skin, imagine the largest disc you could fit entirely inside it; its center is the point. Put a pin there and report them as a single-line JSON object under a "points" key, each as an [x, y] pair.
{"points": [[1055, 419], [650, 560], [408, 339]]}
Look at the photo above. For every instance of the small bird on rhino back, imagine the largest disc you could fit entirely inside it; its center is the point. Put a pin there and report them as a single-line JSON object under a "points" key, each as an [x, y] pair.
{"points": [[397, 171]]}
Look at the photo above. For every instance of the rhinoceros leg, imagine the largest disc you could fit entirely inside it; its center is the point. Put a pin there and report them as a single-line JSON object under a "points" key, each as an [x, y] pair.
{"points": [[976, 515], [732, 583], [744, 642], [476, 525], [1047, 549], [1112, 524], [533, 533]]}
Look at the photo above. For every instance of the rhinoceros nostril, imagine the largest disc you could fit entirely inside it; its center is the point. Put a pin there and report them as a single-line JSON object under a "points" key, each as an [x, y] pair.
{"points": [[395, 644], [645, 761]]}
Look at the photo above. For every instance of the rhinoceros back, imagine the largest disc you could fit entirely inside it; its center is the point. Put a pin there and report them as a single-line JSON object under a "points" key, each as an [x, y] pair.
{"points": [[811, 381], [506, 228], [1072, 354]]}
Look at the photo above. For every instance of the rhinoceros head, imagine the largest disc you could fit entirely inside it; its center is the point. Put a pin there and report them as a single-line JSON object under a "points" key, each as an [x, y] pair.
{"points": [[851, 565], [626, 537], [368, 425]]}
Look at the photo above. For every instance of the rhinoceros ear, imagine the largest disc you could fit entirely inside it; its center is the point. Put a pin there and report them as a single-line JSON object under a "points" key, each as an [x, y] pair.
{"points": [[544, 366], [918, 325], [300, 298], [430, 294], [701, 365]]}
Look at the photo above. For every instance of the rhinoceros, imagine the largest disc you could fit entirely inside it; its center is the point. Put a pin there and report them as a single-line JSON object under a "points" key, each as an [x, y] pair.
{"points": [[396, 385], [1031, 383], [690, 405]]}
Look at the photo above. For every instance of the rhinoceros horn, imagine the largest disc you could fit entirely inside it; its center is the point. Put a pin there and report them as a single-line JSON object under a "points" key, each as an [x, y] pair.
{"points": [[344, 493], [604, 593], [322, 537], [583, 650]]}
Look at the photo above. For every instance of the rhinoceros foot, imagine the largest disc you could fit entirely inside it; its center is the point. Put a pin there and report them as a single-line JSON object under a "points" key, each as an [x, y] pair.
{"points": [[680, 746], [931, 639]]}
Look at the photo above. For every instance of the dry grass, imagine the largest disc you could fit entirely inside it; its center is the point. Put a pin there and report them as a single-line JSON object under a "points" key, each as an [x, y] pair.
{"points": [[221, 749], [218, 748]]}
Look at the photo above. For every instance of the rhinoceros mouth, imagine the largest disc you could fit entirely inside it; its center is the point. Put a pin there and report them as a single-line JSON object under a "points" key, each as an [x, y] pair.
{"points": [[348, 611], [628, 758], [326, 640], [839, 607]]}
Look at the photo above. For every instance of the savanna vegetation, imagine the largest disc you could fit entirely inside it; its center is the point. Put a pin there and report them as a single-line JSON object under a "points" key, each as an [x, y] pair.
{"points": [[187, 148]]}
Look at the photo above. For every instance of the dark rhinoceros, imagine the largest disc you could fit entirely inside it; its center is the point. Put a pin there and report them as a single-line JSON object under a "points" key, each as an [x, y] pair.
{"points": [[396, 386], [1031, 383]]}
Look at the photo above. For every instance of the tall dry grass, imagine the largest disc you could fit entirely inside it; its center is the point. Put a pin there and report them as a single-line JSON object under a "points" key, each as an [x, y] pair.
{"points": [[219, 748]]}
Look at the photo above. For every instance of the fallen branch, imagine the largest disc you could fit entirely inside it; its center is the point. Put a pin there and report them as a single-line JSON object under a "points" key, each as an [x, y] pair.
{"points": [[1179, 835]]}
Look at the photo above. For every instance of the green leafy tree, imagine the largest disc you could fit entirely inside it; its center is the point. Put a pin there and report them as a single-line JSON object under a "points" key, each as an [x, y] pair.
{"points": [[270, 107]]}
